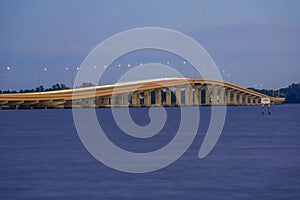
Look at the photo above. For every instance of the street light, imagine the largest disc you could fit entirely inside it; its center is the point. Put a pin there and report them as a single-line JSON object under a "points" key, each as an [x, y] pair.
{"points": [[195, 72], [180, 69], [40, 74], [164, 70], [72, 74], [2, 72], [141, 64]]}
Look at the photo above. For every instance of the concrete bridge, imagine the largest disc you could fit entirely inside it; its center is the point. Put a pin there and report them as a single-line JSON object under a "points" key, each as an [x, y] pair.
{"points": [[155, 92]]}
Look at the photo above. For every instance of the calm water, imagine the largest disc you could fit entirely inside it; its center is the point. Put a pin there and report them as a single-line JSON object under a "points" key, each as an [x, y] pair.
{"points": [[257, 157]]}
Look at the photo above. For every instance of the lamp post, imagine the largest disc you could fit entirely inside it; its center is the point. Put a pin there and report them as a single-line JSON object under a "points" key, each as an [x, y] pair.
{"points": [[126, 70], [145, 70], [2, 72], [72, 74], [180, 67], [40, 75], [164, 70]]}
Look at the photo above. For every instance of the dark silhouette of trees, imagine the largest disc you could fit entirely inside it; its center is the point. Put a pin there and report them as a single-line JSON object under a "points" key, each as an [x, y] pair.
{"points": [[291, 93], [85, 84]]}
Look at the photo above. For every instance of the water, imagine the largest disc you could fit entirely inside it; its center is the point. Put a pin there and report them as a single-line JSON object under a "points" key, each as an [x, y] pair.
{"points": [[256, 157]]}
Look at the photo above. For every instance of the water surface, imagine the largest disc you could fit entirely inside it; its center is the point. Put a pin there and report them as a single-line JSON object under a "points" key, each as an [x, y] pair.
{"points": [[256, 157]]}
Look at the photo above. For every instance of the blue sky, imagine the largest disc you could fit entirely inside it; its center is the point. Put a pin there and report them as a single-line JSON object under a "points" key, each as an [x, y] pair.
{"points": [[256, 42]]}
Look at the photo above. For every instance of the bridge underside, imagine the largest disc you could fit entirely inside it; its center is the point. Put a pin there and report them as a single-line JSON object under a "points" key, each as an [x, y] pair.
{"points": [[158, 92]]}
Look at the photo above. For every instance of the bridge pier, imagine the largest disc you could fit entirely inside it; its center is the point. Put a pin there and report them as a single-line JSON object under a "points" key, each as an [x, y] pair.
{"points": [[207, 96], [136, 99], [113, 101], [240, 102], [147, 98], [197, 96], [105, 101], [228, 97], [89, 103], [251, 100], [76, 103], [186, 95], [168, 97], [215, 96], [158, 97], [246, 99], [235, 94], [178, 95], [124, 99], [222, 96], [257, 101]]}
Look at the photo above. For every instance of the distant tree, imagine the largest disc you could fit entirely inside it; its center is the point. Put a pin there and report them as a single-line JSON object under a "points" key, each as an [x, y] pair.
{"points": [[84, 84], [57, 86], [293, 93], [40, 89]]}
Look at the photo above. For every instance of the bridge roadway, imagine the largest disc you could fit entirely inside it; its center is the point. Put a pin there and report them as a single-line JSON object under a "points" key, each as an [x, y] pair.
{"points": [[154, 92]]}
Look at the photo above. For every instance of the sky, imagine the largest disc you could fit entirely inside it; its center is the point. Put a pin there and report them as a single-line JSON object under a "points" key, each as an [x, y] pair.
{"points": [[254, 43]]}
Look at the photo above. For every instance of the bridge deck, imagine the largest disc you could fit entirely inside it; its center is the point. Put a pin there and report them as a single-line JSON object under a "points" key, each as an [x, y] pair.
{"points": [[64, 98]]}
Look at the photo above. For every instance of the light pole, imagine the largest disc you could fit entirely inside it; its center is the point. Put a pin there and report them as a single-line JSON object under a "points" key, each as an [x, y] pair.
{"points": [[126, 70], [141, 64], [164, 70], [104, 67], [40, 74], [2, 72], [180, 67], [72, 74]]}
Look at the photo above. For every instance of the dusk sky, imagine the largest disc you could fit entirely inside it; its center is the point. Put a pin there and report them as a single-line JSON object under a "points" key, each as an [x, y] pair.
{"points": [[254, 43]]}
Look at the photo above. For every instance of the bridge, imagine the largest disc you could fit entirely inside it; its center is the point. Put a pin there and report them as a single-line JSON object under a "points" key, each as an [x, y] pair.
{"points": [[154, 92]]}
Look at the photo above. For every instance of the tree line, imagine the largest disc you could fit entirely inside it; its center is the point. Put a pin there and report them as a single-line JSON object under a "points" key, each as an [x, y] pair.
{"points": [[290, 93], [55, 87]]}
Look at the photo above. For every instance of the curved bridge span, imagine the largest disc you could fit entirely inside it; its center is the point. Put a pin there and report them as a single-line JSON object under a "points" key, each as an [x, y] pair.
{"points": [[158, 92]]}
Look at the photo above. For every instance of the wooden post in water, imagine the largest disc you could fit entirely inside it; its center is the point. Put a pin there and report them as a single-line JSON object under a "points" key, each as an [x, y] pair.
{"points": [[265, 100]]}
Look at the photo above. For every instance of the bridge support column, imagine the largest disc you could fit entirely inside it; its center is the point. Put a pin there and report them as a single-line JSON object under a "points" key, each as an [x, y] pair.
{"points": [[222, 96], [241, 99], [257, 101], [191, 96], [228, 97], [178, 96], [215, 95], [136, 99], [97, 102], [147, 98], [188, 95], [77, 103], [89, 103], [123, 100], [113, 101], [252, 100], [207, 96], [197, 96], [106, 101], [168, 97], [246, 99], [158, 97], [235, 98]]}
